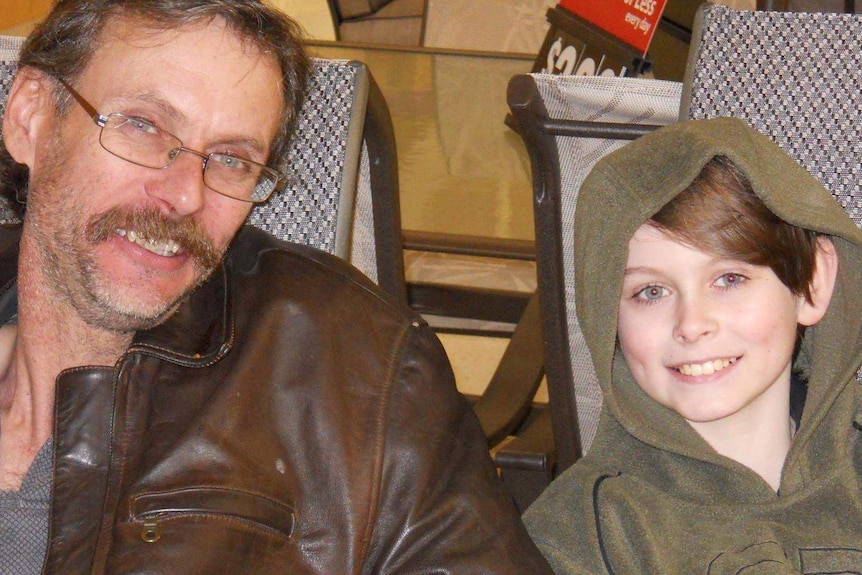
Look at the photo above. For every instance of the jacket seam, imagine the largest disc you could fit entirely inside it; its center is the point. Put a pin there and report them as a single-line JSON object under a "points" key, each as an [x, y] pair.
{"points": [[394, 363], [110, 502]]}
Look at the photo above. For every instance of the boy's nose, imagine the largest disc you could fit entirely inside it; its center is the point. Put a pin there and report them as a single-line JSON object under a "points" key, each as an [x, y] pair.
{"points": [[695, 319]]}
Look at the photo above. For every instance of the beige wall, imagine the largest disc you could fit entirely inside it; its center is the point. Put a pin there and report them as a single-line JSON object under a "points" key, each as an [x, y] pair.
{"points": [[738, 4], [16, 12], [313, 15]]}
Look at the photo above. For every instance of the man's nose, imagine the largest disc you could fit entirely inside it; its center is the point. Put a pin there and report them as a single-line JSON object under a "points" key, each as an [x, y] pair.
{"points": [[181, 185]]}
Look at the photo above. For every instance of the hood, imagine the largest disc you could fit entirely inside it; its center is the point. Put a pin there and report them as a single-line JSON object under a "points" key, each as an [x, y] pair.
{"points": [[629, 186]]}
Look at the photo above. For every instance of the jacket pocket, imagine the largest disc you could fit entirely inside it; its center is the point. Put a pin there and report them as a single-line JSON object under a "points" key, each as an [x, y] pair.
{"points": [[256, 511]]}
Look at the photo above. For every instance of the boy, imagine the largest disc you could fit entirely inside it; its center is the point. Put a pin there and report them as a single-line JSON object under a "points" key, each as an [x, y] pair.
{"points": [[711, 249]]}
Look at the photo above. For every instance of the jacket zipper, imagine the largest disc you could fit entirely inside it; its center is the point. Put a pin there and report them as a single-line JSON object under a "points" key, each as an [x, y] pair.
{"points": [[153, 521], [152, 510]]}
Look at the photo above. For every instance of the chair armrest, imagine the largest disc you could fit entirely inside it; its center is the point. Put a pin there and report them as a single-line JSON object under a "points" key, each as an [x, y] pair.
{"points": [[527, 462]]}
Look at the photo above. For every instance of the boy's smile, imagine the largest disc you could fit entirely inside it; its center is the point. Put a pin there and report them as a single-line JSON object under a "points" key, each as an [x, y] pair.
{"points": [[710, 338], [707, 368]]}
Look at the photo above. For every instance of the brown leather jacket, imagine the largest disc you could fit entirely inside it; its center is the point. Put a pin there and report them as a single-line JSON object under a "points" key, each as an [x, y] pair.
{"points": [[288, 419]]}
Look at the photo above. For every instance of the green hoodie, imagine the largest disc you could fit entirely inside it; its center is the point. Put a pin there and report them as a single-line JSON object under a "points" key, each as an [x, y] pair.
{"points": [[651, 496]]}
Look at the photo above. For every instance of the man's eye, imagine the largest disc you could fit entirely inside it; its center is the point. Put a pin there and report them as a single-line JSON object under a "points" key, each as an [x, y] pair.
{"points": [[230, 162], [140, 125], [651, 293]]}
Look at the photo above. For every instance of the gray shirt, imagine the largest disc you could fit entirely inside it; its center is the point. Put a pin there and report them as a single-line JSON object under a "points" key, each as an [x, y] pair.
{"points": [[24, 518]]}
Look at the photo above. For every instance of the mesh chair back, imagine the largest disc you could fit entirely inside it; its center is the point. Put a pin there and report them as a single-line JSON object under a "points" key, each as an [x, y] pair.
{"points": [[795, 77], [316, 206], [342, 192], [568, 123], [9, 48]]}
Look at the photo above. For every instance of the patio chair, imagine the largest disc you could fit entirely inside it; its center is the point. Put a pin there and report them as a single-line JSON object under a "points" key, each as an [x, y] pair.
{"points": [[567, 124]]}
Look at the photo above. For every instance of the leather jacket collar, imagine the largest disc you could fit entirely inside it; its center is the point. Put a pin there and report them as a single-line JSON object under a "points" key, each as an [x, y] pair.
{"points": [[198, 334]]}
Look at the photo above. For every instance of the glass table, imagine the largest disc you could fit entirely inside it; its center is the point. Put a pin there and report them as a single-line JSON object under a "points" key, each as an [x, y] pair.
{"points": [[462, 171]]}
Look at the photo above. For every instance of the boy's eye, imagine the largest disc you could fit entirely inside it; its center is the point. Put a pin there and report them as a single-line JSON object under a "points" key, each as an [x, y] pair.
{"points": [[729, 280], [651, 293]]}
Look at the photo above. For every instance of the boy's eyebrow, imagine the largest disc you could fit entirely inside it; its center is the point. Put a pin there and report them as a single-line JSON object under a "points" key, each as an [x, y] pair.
{"points": [[639, 269], [716, 260]]}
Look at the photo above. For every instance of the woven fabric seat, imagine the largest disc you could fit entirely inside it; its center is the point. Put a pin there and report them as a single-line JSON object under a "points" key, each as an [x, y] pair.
{"points": [[9, 46], [795, 77]]}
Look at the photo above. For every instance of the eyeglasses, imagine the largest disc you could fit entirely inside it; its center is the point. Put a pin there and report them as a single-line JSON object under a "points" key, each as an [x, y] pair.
{"points": [[140, 142]]}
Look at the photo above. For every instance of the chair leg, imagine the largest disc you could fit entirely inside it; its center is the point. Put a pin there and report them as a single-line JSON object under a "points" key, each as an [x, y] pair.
{"points": [[527, 462]]}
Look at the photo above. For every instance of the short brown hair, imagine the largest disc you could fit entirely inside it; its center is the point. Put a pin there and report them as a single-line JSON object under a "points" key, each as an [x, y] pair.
{"points": [[61, 46], [720, 214]]}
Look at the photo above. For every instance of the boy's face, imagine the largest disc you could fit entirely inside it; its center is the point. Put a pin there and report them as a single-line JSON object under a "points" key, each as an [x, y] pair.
{"points": [[710, 338]]}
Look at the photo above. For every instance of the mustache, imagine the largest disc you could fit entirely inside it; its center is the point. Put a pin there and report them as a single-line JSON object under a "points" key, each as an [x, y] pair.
{"points": [[151, 224]]}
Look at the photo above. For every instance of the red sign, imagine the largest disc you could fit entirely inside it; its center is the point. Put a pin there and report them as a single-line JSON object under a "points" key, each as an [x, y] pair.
{"points": [[632, 21]]}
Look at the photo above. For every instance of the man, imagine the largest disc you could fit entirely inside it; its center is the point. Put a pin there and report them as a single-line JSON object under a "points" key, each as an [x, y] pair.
{"points": [[201, 400]]}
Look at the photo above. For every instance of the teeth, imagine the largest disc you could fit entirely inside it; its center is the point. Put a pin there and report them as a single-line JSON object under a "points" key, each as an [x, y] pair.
{"points": [[165, 248], [707, 368]]}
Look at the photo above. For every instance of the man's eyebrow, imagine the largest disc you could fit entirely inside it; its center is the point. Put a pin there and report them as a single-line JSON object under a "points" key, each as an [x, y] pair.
{"points": [[241, 141], [154, 99], [160, 102]]}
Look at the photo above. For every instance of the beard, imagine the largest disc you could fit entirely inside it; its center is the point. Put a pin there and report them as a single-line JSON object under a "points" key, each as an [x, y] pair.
{"points": [[66, 244]]}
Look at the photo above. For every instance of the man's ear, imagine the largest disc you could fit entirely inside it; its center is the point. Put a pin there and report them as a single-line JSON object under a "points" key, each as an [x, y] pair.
{"points": [[822, 283], [28, 112]]}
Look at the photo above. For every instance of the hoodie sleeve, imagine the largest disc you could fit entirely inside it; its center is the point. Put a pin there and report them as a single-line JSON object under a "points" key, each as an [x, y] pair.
{"points": [[557, 523]]}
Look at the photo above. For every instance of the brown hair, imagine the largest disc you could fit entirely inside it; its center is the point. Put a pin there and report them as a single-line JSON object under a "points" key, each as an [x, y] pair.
{"points": [[720, 214], [61, 46]]}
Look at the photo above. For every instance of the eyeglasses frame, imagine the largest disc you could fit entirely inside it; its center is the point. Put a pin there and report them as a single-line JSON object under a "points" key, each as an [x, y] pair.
{"points": [[101, 120]]}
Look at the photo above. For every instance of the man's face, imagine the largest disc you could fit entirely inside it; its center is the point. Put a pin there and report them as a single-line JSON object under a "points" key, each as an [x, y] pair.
{"points": [[123, 244]]}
